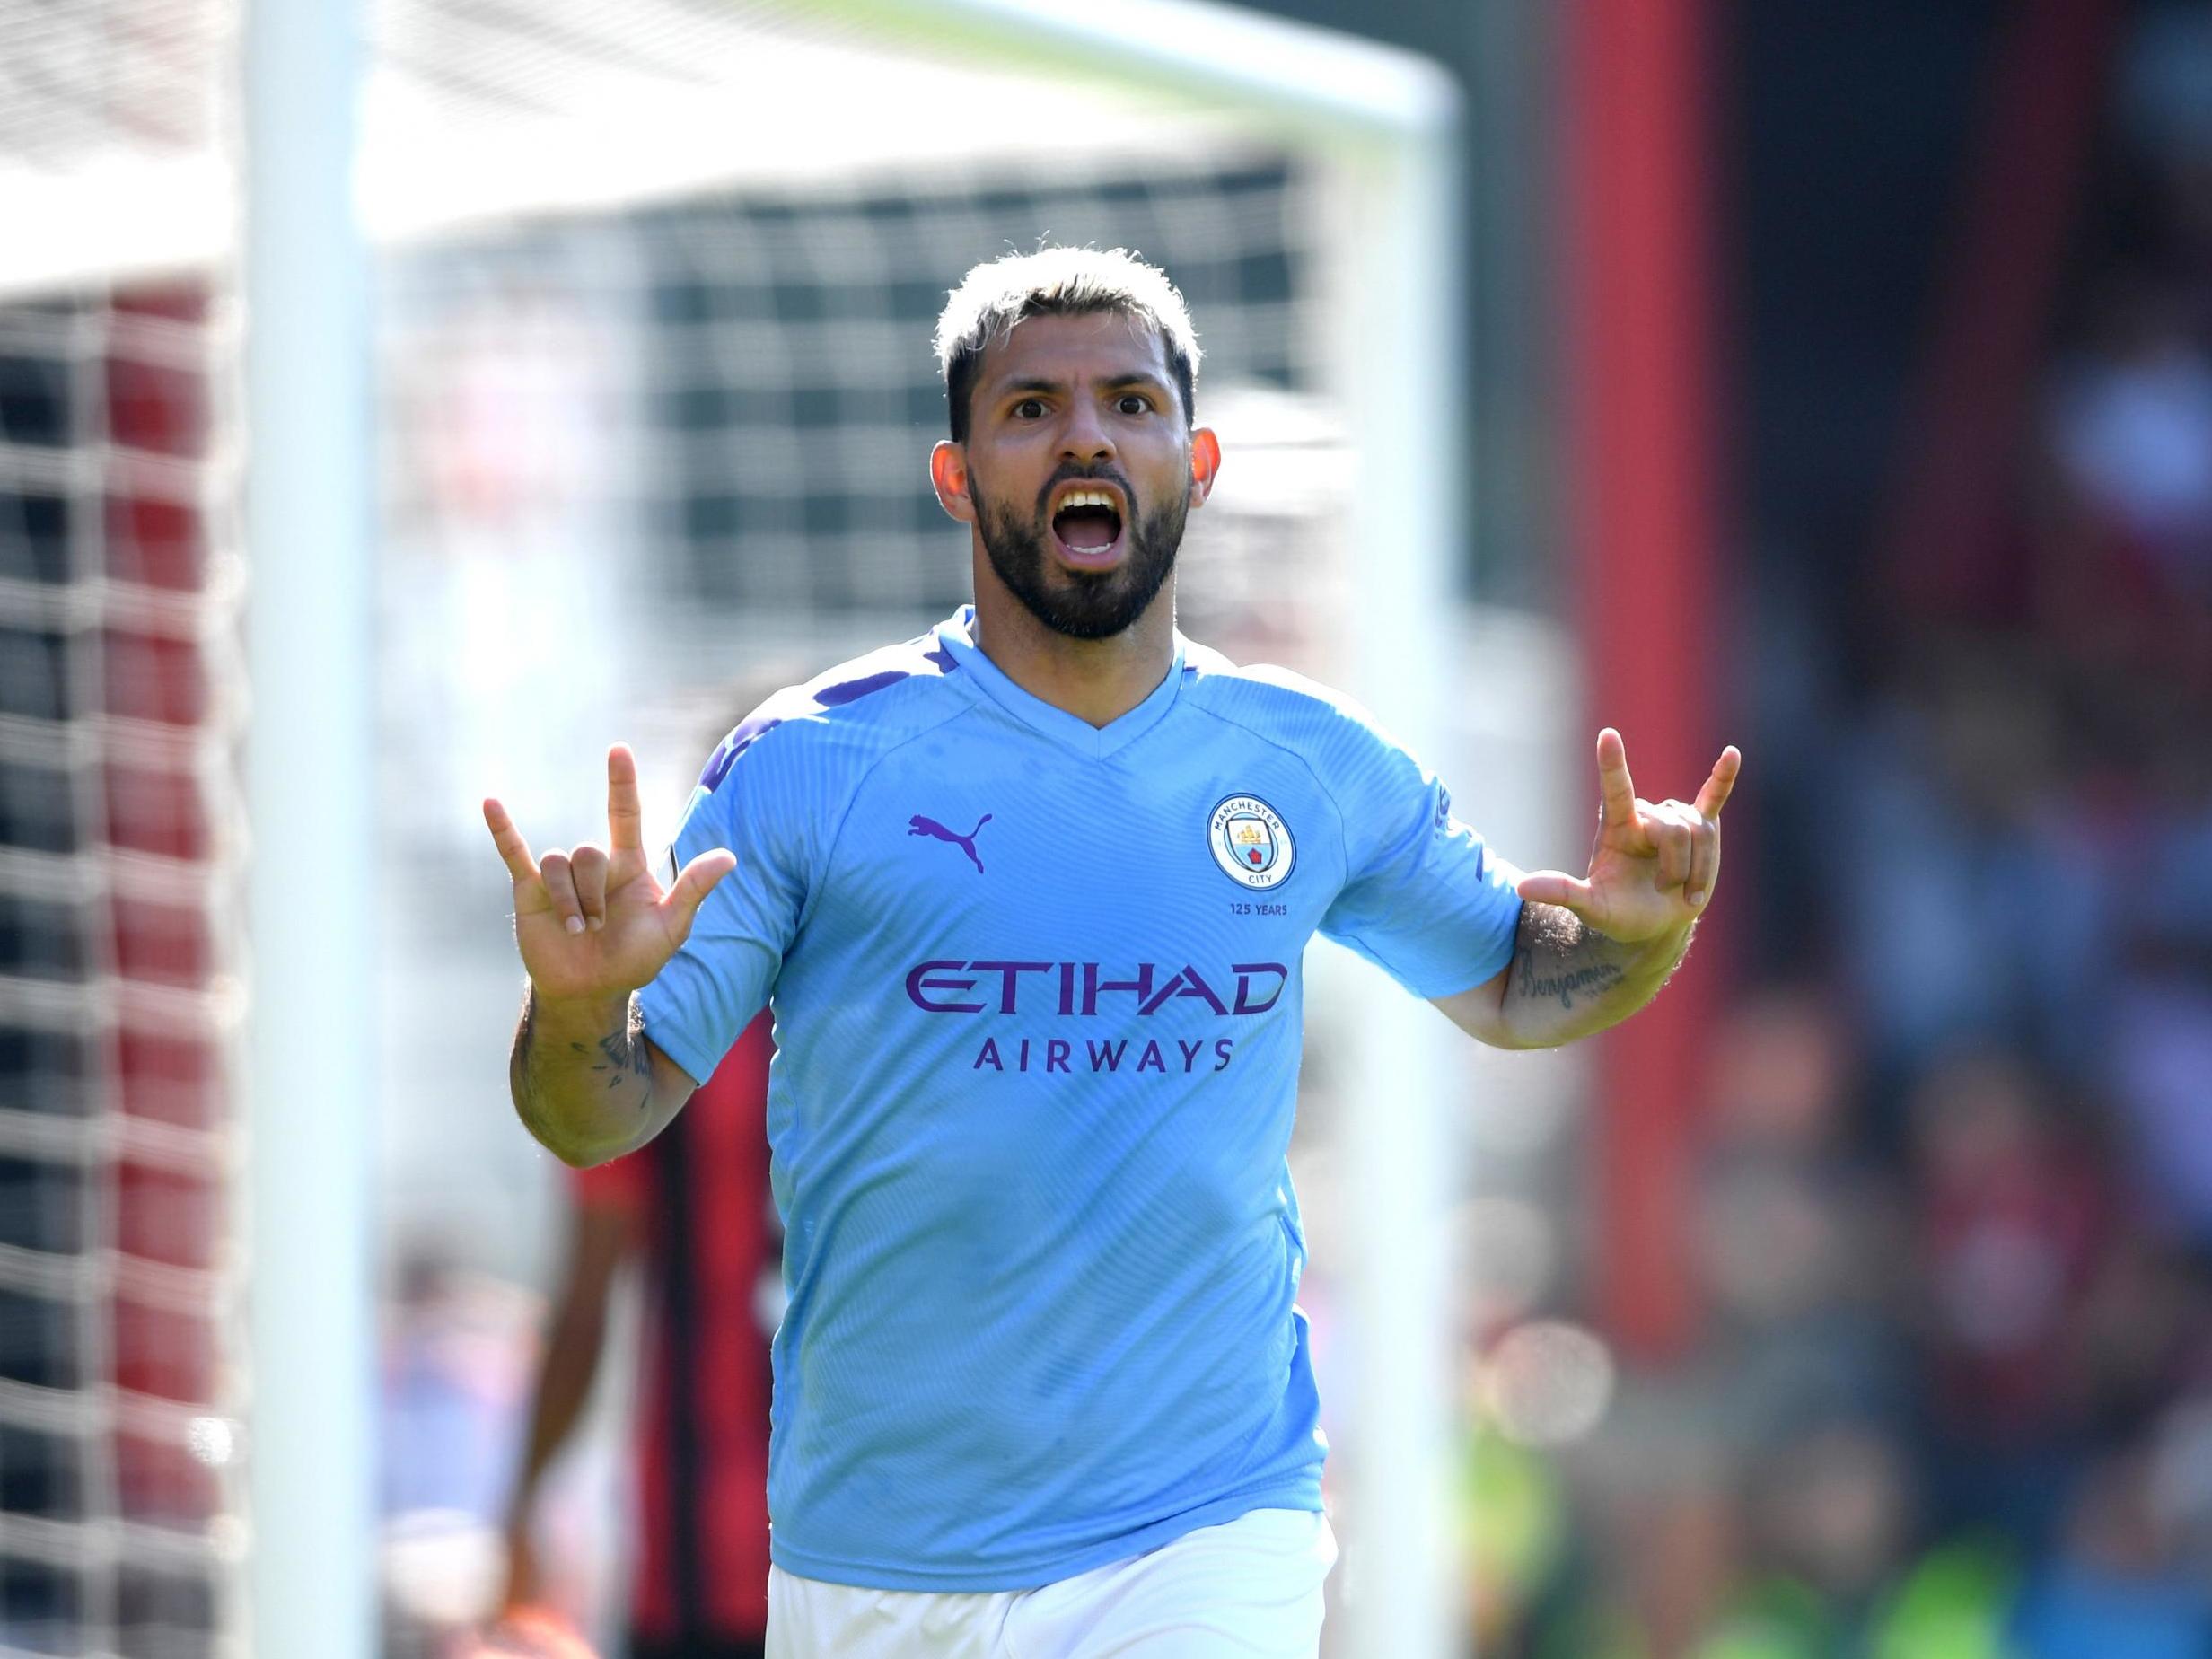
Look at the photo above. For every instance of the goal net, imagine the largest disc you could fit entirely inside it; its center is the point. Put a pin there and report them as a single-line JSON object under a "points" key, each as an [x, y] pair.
{"points": [[653, 286]]}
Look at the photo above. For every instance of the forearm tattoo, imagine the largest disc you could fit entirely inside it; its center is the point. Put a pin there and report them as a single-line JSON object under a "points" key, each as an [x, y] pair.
{"points": [[621, 1054], [541, 1079], [1558, 958], [1565, 984]]}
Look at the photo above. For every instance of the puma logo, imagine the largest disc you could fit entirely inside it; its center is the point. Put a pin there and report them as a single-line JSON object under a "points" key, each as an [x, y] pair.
{"points": [[918, 825]]}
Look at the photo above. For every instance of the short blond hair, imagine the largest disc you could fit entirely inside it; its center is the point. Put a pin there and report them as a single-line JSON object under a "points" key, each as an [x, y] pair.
{"points": [[1057, 282]]}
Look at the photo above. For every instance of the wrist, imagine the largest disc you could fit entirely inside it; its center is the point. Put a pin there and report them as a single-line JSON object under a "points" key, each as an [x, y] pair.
{"points": [[1664, 948], [588, 1017]]}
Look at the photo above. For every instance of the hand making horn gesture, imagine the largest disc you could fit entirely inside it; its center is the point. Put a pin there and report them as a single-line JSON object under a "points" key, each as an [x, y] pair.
{"points": [[1653, 866], [596, 923]]}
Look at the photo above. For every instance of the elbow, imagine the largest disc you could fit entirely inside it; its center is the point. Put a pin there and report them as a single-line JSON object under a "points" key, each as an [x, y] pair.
{"points": [[580, 1155], [1520, 1040], [578, 1151], [1516, 1026], [1495, 1023], [574, 1155]]}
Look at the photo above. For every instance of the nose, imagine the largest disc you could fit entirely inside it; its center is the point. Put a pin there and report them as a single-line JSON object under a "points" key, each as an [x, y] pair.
{"points": [[1084, 438]]}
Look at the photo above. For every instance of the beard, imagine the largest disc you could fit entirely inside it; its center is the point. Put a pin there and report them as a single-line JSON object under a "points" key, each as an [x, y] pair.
{"points": [[1082, 604]]}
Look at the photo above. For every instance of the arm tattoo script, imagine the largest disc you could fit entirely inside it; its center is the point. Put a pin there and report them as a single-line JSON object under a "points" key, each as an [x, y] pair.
{"points": [[1565, 984], [1558, 958]]}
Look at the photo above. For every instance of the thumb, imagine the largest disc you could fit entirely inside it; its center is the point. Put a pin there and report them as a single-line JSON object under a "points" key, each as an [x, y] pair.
{"points": [[1555, 887], [682, 901]]}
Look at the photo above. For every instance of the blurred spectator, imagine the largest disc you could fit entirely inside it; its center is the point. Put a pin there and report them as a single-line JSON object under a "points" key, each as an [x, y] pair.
{"points": [[2010, 1221], [693, 1209], [2157, 1051], [1827, 1520], [1797, 1227], [455, 1381], [1971, 909], [2128, 555], [2120, 1584], [2133, 432]]}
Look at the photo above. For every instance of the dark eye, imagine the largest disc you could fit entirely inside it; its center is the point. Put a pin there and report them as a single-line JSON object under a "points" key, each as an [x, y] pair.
{"points": [[1029, 408], [1133, 403]]}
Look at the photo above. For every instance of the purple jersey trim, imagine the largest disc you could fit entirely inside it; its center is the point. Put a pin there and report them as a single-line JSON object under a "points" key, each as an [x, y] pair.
{"points": [[836, 694], [744, 737]]}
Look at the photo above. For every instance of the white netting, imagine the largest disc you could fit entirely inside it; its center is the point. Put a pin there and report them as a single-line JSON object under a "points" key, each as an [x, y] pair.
{"points": [[118, 705]]}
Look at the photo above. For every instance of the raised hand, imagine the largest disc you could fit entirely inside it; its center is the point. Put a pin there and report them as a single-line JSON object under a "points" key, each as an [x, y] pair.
{"points": [[594, 924], [1653, 867]]}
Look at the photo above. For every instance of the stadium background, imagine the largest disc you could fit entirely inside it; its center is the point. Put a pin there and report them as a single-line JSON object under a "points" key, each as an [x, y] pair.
{"points": [[1841, 385]]}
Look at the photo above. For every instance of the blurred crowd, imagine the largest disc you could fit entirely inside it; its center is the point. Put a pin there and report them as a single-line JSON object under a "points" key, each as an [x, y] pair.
{"points": [[1954, 1221]]}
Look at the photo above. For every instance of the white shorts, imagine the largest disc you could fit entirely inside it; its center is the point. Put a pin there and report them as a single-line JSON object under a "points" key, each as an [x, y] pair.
{"points": [[1251, 1586]]}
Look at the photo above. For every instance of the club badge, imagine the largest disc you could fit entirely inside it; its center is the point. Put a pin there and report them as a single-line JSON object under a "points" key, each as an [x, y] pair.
{"points": [[1251, 842]]}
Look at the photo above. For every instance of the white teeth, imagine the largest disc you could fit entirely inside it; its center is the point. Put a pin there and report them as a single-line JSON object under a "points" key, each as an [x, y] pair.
{"points": [[1086, 498]]}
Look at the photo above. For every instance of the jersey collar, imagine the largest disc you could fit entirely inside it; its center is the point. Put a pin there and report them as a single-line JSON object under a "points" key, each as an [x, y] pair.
{"points": [[956, 634]]}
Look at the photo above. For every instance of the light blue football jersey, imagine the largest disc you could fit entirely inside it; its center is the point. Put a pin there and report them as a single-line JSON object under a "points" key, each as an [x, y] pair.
{"points": [[1038, 1005]]}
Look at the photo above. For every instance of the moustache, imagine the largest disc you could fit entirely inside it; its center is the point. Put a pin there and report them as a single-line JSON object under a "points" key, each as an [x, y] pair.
{"points": [[1088, 475]]}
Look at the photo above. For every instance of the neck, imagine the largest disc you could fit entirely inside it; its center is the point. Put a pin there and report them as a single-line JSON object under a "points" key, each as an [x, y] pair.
{"points": [[1097, 681]]}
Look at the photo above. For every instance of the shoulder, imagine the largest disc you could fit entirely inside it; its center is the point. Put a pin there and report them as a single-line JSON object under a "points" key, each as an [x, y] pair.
{"points": [[1279, 705], [1360, 767], [828, 730]]}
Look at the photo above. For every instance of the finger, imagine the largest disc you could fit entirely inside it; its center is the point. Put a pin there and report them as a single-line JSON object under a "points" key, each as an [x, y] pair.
{"points": [[1616, 789], [623, 821], [1704, 864], [513, 851], [1672, 837], [1555, 887], [560, 887], [698, 880], [587, 867], [1716, 789]]}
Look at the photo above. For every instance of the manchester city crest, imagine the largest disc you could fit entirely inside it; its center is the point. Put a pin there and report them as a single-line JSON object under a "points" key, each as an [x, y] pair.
{"points": [[1251, 842]]}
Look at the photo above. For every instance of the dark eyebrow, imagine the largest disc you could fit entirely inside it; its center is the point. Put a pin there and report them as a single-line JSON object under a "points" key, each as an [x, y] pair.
{"points": [[1135, 377], [1031, 384]]}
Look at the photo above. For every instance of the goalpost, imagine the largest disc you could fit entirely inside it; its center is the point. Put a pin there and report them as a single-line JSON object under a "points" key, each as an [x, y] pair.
{"points": [[726, 223]]}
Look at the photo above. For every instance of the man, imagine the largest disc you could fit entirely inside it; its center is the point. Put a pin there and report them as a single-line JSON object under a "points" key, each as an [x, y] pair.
{"points": [[693, 1210], [1029, 894]]}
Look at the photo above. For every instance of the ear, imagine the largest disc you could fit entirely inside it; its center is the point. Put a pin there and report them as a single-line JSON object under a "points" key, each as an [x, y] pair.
{"points": [[1204, 464], [948, 476]]}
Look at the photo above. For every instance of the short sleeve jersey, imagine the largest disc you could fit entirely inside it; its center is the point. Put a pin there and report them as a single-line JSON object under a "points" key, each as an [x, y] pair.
{"points": [[1037, 993]]}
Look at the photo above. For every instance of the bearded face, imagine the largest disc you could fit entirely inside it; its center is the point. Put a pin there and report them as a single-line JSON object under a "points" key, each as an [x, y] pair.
{"points": [[1041, 548], [1078, 468]]}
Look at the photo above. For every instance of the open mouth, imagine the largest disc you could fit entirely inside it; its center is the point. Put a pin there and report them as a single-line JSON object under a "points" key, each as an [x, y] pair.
{"points": [[1086, 526]]}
